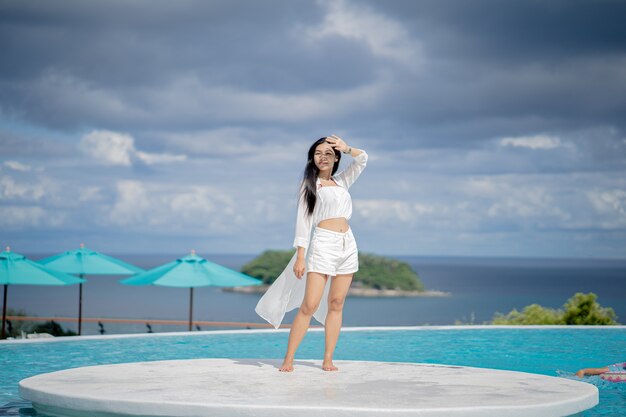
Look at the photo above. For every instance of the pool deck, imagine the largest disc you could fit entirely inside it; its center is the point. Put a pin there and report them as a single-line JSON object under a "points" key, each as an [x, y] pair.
{"points": [[254, 387]]}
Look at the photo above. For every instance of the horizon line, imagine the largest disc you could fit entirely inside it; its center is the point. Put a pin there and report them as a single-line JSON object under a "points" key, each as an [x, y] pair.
{"points": [[468, 257]]}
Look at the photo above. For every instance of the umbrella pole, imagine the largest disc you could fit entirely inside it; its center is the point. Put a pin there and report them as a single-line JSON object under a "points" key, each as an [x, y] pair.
{"points": [[4, 310], [190, 306], [80, 306]]}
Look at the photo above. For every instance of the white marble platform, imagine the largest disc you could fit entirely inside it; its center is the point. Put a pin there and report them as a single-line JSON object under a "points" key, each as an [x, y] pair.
{"points": [[254, 387]]}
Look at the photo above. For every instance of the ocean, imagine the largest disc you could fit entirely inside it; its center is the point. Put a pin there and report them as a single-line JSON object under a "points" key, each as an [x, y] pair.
{"points": [[478, 287]]}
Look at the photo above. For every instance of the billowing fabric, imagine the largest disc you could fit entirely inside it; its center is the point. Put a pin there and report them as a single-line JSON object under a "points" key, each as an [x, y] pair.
{"points": [[287, 292], [332, 253]]}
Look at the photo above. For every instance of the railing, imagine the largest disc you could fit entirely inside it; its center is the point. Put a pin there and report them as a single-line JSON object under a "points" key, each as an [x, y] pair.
{"points": [[125, 326], [142, 321]]}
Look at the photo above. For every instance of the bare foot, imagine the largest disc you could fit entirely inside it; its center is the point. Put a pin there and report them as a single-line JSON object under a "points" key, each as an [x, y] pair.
{"points": [[287, 366], [327, 365]]}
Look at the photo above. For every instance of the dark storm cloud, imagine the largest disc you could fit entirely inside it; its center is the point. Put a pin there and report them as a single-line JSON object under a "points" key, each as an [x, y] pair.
{"points": [[482, 68], [515, 32], [101, 64], [509, 68], [121, 43]]}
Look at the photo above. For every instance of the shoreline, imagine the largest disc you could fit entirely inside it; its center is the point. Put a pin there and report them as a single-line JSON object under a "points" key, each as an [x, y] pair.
{"points": [[353, 292]]}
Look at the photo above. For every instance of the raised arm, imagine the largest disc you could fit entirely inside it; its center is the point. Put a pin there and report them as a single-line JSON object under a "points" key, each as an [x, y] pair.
{"points": [[349, 175], [352, 172]]}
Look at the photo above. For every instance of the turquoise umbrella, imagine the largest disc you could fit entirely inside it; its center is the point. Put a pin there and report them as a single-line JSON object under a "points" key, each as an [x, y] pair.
{"points": [[83, 262], [16, 269], [190, 272]]}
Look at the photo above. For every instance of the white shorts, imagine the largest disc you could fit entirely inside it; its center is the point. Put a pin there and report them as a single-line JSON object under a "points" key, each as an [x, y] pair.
{"points": [[332, 253]]}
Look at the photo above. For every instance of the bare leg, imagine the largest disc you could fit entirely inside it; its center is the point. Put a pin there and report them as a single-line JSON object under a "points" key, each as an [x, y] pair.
{"points": [[592, 371], [336, 297], [315, 284]]}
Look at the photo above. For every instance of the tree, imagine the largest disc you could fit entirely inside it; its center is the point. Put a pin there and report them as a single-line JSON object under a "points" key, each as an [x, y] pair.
{"points": [[584, 309], [374, 271], [385, 273], [53, 328], [581, 309], [532, 314], [268, 265]]}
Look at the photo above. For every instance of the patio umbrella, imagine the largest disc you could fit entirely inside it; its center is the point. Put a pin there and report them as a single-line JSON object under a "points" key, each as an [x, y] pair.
{"points": [[190, 272], [16, 269], [83, 262]]}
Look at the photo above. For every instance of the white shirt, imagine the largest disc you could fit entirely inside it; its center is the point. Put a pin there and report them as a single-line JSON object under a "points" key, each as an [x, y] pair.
{"points": [[287, 292], [332, 201]]}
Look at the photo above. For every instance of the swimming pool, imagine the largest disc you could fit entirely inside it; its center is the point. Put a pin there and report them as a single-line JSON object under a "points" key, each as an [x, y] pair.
{"points": [[548, 350]]}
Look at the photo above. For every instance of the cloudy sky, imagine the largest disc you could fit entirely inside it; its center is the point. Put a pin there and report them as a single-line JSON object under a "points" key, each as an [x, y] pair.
{"points": [[493, 128]]}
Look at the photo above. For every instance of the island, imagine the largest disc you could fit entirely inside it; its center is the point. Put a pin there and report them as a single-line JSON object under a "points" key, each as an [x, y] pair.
{"points": [[378, 276]]}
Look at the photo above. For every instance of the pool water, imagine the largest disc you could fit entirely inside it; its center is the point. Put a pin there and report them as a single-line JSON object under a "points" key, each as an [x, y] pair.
{"points": [[549, 351]]}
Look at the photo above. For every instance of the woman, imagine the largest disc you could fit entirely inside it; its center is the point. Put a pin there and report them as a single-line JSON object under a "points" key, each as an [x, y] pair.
{"points": [[326, 259]]}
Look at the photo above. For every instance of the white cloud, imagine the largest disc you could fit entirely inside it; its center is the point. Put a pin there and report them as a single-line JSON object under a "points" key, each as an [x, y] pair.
{"points": [[173, 207], [379, 211], [113, 148], [156, 158], [20, 217], [110, 148], [473, 205], [533, 142], [131, 205], [17, 166], [525, 205], [385, 37], [10, 189], [611, 203], [505, 197], [89, 193]]}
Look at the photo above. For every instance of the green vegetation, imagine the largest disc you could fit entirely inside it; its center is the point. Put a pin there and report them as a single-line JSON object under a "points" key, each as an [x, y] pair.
{"points": [[384, 273], [268, 265], [532, 314], [374, 271], [14, 328], [53, 328], [581, 309]]}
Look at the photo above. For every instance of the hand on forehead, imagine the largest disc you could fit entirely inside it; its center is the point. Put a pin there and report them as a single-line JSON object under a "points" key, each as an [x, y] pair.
{"points": [[324, 146]]}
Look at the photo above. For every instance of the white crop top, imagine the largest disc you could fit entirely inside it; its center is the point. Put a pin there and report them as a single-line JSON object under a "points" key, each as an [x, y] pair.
{"points": [[332, 201]]}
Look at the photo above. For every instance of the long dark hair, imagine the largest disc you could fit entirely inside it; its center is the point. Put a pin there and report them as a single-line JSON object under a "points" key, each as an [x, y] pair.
{"points": [[309, 179]]}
